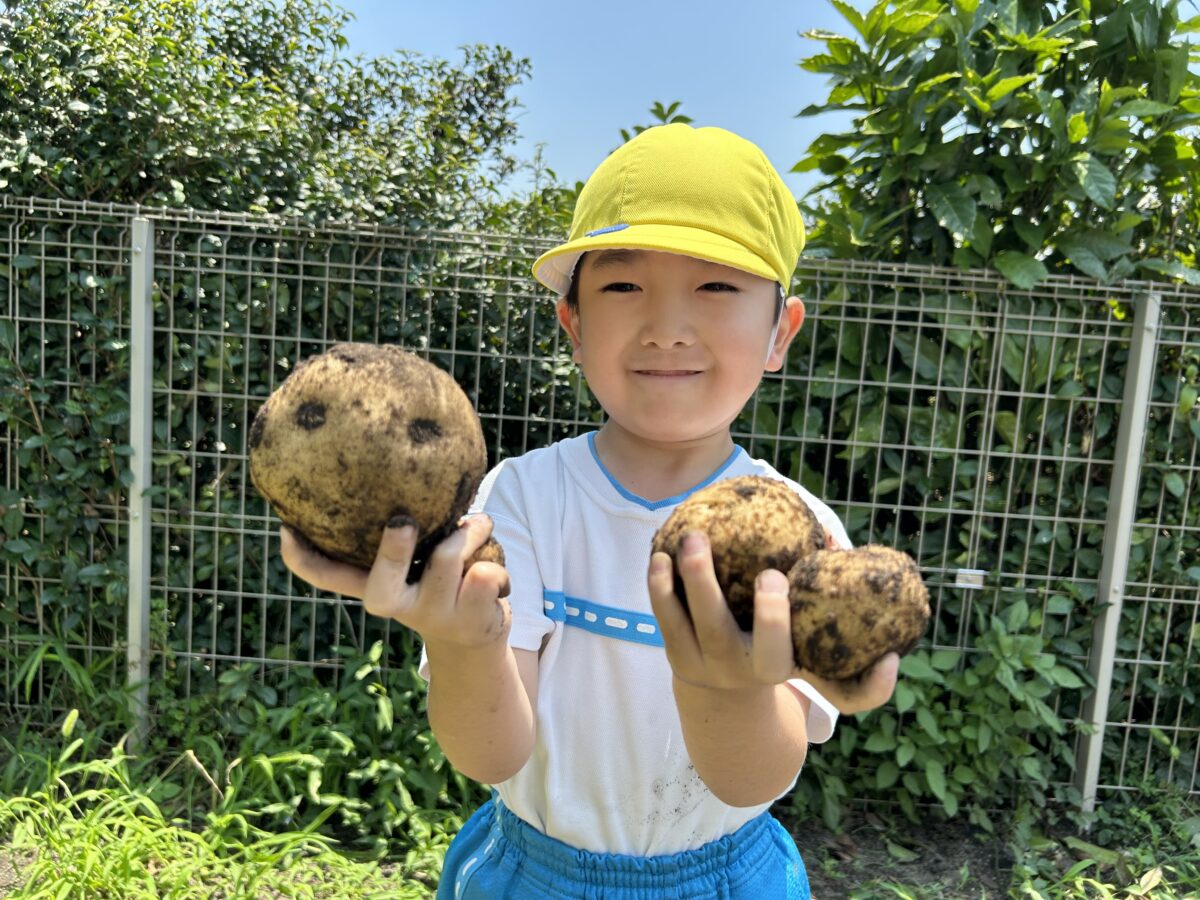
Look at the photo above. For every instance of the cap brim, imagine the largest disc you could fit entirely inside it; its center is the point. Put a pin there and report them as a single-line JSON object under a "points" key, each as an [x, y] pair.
{"points": [[556, 267]]}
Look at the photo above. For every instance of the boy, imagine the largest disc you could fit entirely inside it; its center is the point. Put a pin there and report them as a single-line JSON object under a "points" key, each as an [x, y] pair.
{"points": [[635, 746]]}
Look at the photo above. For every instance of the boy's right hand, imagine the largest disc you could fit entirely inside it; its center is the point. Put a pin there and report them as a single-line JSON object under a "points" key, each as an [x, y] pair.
{"points": [[446, 606]]}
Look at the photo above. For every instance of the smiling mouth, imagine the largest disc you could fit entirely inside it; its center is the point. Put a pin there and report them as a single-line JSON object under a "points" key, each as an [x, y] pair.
{"points": [[667, 373]]}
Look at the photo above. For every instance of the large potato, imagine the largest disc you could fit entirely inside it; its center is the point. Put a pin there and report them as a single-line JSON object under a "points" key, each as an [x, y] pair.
{"points": [[752, 524], [362, 436], [849, 607]]}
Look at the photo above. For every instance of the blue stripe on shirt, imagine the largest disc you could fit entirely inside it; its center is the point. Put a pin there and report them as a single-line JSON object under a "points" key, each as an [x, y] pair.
{"points": [[608, 621]]}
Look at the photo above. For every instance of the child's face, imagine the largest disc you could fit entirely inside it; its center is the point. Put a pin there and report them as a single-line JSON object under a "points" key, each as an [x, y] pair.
{"points": [[671, 346]]}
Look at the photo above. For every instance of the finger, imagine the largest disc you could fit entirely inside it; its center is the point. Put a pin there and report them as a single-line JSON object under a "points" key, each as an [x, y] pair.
{"points": [[323, 573], [879, 681], [479, 598], [673, 620], [771, 646], [716, 631], [872, 688], [388, 593], [478, 529], [444, 567]]}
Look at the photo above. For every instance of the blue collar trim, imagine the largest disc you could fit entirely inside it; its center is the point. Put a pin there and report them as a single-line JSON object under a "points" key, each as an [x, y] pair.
{"points": [[668, 501]]}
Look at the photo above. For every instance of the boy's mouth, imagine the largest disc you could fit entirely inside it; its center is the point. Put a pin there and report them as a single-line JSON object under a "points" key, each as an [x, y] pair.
{"points": [[667, 373]]}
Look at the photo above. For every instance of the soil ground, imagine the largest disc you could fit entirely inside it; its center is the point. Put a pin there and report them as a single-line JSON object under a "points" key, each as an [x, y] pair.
{"points": [[9, 879], [949, 861]]}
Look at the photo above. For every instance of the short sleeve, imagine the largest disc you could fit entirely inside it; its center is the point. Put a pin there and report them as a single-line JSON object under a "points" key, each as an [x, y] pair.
{"points": [[822, 715]]}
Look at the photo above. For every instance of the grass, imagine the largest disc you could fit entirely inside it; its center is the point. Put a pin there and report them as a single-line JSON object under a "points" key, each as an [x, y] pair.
{"points": [[89, 825], [1146, 845], [94, 830]]}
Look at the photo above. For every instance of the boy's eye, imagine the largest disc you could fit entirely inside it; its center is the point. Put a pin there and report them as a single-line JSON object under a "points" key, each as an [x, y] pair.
{"points": [[719, 286], [620, 287]]}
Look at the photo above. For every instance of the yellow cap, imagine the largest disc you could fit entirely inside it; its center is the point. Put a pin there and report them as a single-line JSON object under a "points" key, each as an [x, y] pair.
{"points": [[702, 192]]}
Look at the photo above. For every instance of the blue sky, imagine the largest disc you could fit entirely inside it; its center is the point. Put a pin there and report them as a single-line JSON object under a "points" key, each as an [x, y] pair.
{"points": [[598, 66]]}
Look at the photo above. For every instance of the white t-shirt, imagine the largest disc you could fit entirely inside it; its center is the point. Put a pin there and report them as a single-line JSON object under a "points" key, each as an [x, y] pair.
{"points": [[609, 770]]}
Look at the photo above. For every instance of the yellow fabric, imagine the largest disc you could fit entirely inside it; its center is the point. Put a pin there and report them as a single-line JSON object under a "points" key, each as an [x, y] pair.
{"points": [[702, 192]]}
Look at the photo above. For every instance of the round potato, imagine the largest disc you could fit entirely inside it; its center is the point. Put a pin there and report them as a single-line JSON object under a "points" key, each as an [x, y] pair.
{"points": [[753, 523], [849, 607], [363, 436]]}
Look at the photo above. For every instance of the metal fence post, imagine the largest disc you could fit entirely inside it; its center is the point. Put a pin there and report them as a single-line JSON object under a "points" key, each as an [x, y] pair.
{"points": [[1118, 532], [141, 429]]}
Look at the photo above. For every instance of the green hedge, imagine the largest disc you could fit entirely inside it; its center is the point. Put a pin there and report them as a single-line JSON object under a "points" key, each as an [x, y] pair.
{"points": [[969, 425]]}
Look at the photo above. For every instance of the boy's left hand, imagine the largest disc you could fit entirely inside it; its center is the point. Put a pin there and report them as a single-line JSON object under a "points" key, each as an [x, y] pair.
{"points": [[706, 648]]}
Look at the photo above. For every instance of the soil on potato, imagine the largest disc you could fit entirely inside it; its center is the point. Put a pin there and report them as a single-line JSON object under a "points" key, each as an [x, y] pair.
{"points": [[950, 860]]}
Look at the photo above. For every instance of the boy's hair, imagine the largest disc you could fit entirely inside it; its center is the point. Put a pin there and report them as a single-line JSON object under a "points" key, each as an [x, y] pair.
{"points": [[572, 294], [699, 192]]}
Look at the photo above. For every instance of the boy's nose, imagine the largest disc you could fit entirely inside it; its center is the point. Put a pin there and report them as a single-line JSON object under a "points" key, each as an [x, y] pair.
{"points": [[667, 322]]}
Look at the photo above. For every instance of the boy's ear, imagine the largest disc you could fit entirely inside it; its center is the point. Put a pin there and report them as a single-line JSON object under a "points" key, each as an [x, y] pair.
{"points": [[569, 319], [790, 321]]}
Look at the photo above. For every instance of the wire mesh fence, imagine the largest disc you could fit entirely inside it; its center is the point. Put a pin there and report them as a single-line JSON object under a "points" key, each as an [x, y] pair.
{"points": [[943, 412]]}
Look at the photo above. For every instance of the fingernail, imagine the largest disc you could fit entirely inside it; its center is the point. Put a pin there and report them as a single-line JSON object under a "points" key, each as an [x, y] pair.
{"points": [[694, 542], [660, 564], [771, 581], [404, 526]]}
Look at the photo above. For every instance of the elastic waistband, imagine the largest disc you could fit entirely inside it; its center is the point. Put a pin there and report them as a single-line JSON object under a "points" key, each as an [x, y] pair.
{"points": [[743, 851]]}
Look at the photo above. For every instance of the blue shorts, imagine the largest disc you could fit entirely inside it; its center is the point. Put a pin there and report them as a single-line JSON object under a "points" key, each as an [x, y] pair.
{"points": [[498, 856]]}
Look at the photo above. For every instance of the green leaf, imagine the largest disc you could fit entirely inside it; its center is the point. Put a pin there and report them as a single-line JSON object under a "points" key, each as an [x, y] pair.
{"points": [[953, 208], [1077, 128], [935, 775], [928, 723], [1098, 244], [985, 737], [986, 189], [880, 743], [946, 660], [1100, 854], [1144, 108], [917, 667], [1172, 268], [1018, 616], [901, 854], [1058, 605], [931, 83], [1175, 484], [853, 16], [1187, 399], [1006, 425], [1032, 233], [1021, 269], [1097, 179], [1006, 86], [1064, 677], [904, 697]]}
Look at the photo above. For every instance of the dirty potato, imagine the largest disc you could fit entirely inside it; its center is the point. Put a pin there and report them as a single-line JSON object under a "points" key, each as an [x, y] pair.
{"points": [[362, 436], [849, 607], [753, 523]]}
